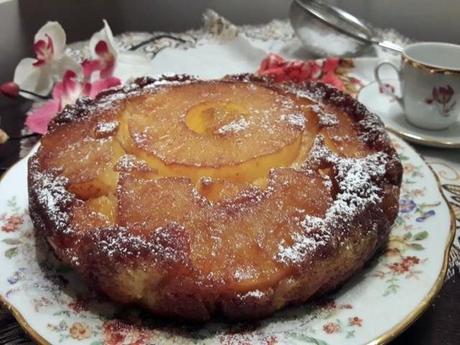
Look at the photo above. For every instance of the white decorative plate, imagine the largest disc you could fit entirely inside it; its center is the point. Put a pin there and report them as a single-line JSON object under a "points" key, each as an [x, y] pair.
{"points": [[380, 100], [54, 307]]}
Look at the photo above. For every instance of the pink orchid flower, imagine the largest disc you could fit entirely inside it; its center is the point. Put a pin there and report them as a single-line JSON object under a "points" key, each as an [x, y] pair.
{"points": [[64, 93], [91, 77], [40, 73]]}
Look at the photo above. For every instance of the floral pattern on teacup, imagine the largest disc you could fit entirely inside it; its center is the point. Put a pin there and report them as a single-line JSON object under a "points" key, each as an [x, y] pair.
{"points": [[387, 89], [442, 98]]}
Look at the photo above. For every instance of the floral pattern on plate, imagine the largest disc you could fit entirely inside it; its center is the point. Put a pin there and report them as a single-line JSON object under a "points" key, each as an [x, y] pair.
{"points": [[59, 308]]}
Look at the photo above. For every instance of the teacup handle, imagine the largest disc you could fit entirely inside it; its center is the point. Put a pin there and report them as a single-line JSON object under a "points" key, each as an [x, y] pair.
{"points": [[381, 83]]}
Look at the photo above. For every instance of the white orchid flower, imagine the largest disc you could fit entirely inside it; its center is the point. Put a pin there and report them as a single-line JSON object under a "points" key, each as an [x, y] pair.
{"points": [[122, 64], [39, 74]]}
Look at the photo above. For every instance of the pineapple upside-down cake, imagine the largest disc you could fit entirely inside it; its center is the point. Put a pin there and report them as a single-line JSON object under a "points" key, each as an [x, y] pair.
{"points": [[232, 197]]}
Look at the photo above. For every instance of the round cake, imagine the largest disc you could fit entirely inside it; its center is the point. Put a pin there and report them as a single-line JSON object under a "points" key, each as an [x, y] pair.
{"points": [[231, 197]]}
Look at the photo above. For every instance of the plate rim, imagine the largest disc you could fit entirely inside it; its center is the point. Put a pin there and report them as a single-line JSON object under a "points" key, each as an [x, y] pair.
{"points": [[438, 283], [410, 136], [382, 339], [21, 320]]}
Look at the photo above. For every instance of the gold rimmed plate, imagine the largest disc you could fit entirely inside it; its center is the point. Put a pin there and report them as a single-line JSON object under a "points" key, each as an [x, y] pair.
{"points": [[380, 100], [55, 307]]}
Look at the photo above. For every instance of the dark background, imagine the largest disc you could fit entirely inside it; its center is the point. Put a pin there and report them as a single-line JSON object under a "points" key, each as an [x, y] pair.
{"points": [[426, 20]]}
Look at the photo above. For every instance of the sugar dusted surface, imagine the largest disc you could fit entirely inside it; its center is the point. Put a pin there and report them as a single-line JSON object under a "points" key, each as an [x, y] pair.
{"points": [[52, 195], [257, 228], [129, 162], [106, 128], [294, 119], [234, 126], [357, 191], [252, 294]]}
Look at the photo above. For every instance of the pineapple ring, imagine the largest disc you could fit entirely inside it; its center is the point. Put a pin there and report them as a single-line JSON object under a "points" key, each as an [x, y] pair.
{"points": [[220, 129]]}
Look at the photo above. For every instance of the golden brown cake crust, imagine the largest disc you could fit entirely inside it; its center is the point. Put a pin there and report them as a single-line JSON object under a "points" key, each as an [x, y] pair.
{"points": [[242, 243]]}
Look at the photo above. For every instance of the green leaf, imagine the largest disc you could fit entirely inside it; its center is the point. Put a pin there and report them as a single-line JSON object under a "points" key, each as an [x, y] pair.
{"points": [[11, 241], [416, 246], [96, 342], [350, 334], [11, 202], [11, 252], [63, 325], [407, 235], [62, 312], [421, 236]]}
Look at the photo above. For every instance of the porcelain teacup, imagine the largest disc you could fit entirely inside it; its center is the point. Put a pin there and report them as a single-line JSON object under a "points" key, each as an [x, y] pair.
{"points": [[430, 83]]}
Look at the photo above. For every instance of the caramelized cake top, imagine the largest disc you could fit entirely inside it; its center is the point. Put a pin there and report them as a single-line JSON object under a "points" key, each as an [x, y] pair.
{"points": [[235, 183]]}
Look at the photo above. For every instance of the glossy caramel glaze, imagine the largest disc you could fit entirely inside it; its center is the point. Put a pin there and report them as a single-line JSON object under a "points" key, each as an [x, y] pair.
{"points": [[234, 197]]}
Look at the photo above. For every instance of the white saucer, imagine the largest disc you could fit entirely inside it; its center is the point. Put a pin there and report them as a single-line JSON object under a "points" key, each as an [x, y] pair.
{"points": [[392, 115]]}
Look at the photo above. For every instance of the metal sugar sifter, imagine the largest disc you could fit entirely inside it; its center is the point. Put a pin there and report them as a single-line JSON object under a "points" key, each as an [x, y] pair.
{"points": [[328, 30]]}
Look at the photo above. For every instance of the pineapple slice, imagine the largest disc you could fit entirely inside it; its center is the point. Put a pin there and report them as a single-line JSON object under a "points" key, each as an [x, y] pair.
{"points": [[87, 159], [95, 213], [235, 132]]}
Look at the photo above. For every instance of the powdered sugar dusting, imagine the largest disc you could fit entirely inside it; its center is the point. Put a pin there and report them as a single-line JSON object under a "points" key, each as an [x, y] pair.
{"points": [[106, 128], [257, 294], [161, 243], [244, 274], [325, 119], [206, 180], [234, 126], [357, 190], [304, 244], [53, 196], [124, 244], [297, 120], [310, 222], [129, 162]]}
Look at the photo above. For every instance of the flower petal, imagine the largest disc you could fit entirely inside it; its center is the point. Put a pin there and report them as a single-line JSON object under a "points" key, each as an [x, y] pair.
{"points": [[271, 61], [68, 90], [315, 69], [89, 67], [64, 64], [42, 50], [330, 65], [332, 79], [101, 48], [38, 119], [31, 78], [57, 35], [278, 74], [105, 35], [93, 89]]}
